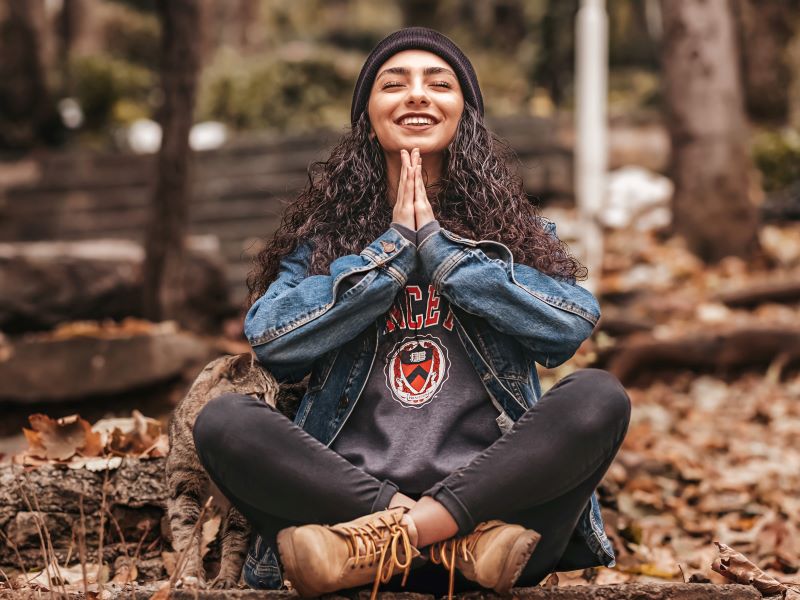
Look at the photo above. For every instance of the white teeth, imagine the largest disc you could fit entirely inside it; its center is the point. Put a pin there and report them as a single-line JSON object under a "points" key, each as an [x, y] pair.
{"points": [[416, 121]]}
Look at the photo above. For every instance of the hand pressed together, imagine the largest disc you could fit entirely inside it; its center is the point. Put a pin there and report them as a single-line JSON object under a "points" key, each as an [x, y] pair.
{"points": [[412, 207]]}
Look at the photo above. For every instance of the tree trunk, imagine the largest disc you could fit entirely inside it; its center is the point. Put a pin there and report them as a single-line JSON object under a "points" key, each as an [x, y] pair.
{"points": [[24, 104], [420, 13], [164, 289], [711, 165], [79, 34], [765, 29]]}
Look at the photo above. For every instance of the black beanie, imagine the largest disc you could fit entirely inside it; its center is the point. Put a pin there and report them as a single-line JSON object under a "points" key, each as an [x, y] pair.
{"points": [[417, 38]]}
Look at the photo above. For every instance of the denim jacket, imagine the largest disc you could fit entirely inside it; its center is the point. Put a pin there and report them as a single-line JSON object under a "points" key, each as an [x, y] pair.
{"points": [[508, 316]]}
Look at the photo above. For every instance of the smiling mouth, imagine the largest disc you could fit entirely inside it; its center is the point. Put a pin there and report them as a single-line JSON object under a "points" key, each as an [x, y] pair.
{"points": [[416, 127]]}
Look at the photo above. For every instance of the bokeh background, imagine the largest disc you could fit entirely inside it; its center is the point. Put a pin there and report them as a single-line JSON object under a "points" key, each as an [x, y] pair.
{"points": [[698, 267]]}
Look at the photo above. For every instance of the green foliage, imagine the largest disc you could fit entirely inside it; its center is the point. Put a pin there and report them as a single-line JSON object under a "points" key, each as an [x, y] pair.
{"points": [[131, 35], [100, 82], [777, 155], [279, 92], [630, 89]]}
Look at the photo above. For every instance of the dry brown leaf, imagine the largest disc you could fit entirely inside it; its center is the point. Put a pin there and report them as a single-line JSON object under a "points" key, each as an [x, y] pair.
{"points": [[737, 568], [125, 571], [140, 436], [59, 439], [551, 581], [208, 533], [170, 560], [162, 593], [792, 593], [61, 575]]}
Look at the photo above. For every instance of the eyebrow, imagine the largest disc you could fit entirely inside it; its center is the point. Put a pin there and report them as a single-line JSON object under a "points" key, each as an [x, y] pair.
{"points": [[405, 71]]}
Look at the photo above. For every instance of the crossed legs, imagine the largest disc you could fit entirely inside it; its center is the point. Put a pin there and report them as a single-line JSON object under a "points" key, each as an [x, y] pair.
{"points": [[539, 474]]}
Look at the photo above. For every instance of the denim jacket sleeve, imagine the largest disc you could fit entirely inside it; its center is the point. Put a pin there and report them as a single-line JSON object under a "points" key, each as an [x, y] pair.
{"points": [[549, 317], [300, 317]]}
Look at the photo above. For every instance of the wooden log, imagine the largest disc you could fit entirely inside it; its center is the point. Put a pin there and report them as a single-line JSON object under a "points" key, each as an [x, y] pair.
{"points": [[727, 351], [135, 496], [753, 295], [39, 368], [45, 283]]}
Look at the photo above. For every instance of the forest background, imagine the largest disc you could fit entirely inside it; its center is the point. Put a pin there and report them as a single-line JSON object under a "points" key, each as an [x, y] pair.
{"points": [[103, 312]]}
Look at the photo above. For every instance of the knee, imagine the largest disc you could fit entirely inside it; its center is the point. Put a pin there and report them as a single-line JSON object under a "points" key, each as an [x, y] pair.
{"points": [[602, 401], [214, 422]]}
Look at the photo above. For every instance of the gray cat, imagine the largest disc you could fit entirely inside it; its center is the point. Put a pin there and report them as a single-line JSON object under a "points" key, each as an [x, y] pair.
{"points": [[187, 482]]}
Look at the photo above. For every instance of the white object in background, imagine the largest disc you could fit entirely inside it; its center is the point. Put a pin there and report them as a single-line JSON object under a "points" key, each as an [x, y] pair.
{"points": [[591, 139], [144, 136], [208, 135], [639, 197], [71, 113]]}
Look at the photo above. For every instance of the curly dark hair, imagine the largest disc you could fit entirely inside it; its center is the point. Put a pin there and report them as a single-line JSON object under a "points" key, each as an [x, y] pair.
{"points": [[344, 206]]}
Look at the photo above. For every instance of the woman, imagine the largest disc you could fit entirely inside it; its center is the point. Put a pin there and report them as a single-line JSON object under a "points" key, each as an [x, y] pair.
{"points": [[415, 284]]}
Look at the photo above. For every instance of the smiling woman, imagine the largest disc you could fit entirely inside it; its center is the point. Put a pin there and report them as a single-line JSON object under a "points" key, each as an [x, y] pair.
{"points": [[417, 288]]}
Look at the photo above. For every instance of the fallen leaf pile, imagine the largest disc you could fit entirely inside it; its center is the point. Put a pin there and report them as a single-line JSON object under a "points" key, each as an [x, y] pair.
{"points": [[664, 285], [704, 461], [709, 472], [108, 328], [734, 566], [74, 442]]}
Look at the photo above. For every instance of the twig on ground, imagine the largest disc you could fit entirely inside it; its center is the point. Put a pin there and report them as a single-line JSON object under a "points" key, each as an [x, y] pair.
{"points": [[20, 563], [103, 500], [8, 581], [82, 547], [48, 539], [131, 564], [181, 562], [42, 546]]}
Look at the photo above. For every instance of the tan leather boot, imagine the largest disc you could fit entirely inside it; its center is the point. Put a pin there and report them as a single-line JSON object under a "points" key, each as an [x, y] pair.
{"points": [[493, 554], [319, 559]]}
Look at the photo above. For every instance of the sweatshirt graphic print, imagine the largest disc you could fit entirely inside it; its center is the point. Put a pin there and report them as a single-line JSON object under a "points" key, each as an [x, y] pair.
{"points": [[418, 365], [424, 411]]}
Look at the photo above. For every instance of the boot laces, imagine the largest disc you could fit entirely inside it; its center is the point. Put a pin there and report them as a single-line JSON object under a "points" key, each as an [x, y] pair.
{"points": [[446, 552], [380, 548]]}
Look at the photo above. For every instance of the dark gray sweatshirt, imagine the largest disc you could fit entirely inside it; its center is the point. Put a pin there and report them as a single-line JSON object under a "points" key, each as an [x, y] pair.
{"points": [[423, 412]]}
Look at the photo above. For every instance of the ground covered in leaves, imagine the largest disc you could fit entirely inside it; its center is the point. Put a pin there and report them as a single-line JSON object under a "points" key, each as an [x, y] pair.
{"points": [[712, 452]]}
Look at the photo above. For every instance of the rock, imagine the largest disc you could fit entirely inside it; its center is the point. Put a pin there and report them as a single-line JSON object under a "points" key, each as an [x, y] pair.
{"points": [[45, 283], [637, 197], [47, 368]]}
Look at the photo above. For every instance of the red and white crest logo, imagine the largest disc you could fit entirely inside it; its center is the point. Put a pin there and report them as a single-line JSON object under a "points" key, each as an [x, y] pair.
{"points": [[416, 369]]}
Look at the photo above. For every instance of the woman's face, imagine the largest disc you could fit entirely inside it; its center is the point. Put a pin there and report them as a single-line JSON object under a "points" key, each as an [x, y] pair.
{"points": [[415, 101]]}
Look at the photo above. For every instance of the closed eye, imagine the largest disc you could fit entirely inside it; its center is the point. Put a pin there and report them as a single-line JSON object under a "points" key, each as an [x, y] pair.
{"points": [[391, 84]]}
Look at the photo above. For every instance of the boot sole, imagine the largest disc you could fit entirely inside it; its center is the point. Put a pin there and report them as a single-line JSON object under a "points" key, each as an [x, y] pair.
{"points": [[287, 556], [512, 569]]}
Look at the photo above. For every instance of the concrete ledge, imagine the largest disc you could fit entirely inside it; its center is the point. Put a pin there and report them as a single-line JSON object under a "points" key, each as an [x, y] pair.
{"points": [[632, 591]]}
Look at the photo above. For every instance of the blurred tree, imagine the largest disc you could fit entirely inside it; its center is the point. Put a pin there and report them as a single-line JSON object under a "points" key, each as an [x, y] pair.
{"points": [[27, 113], [711, 164], [555, 69], [165, 238], [631, 42], [765, 28], [421, 13]]}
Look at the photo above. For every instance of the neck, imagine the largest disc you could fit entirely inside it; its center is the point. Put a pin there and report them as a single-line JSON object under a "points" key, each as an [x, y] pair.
{"points": [[431, 172]]}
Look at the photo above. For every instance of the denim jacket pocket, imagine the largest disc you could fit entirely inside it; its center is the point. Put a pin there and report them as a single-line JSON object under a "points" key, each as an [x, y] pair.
{"points": [[321, 370]]}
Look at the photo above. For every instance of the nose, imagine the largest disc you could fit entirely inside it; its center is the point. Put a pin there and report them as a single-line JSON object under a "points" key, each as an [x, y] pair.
{"points": [[417, 93]]}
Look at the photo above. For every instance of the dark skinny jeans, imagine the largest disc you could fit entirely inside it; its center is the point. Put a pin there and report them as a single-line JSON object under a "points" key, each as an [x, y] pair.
{"points": [[539, 474]]}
